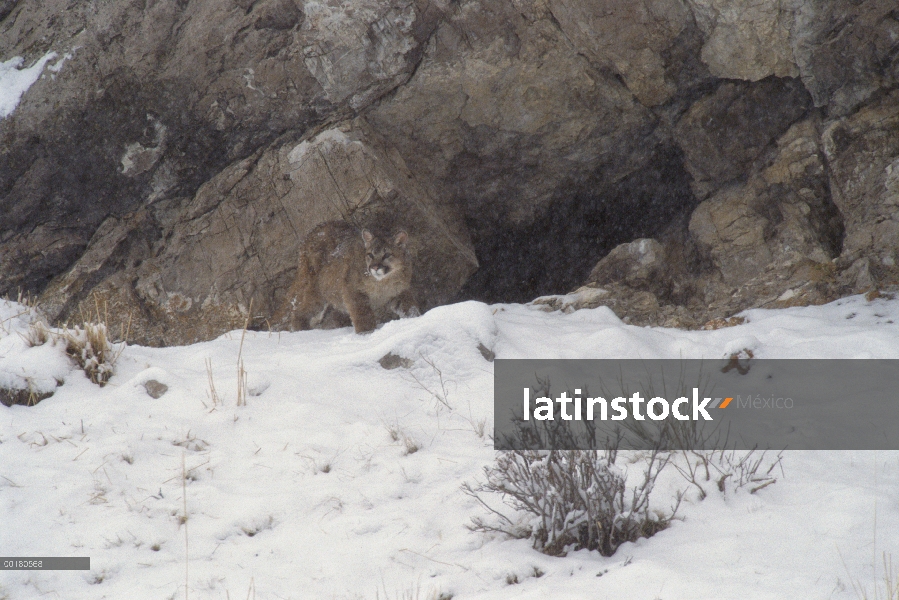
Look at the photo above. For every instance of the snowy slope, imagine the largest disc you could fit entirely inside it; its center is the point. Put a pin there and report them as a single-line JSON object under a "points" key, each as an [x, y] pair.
{"points": [[341, 479]]}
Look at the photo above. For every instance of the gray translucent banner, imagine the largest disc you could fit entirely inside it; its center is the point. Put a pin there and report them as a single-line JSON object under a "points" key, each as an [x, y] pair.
{"points": [[45, 563], [777, 404]]}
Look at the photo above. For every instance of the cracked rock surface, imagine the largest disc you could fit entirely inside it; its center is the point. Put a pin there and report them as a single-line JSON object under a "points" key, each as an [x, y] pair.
{"points": [[172, 155]]}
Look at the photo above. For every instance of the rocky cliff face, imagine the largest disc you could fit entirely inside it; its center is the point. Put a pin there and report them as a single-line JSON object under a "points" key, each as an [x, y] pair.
{"points": [[173, 154]]}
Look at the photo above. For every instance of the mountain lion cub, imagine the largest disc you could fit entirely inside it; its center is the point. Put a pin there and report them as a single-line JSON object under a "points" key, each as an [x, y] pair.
{"points": [[353, 271]]}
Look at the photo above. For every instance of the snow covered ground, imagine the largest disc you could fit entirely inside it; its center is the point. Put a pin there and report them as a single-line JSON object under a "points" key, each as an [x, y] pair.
{"points": [[341, 479]]}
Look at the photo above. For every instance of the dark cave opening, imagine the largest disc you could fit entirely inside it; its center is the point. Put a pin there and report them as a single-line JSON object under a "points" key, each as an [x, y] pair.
{"points": [[554, 253]]}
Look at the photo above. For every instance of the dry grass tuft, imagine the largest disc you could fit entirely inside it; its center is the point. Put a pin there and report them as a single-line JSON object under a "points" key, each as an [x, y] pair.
{"points": [[89, 346], [411, 445], [397, 434], [38, 334]]}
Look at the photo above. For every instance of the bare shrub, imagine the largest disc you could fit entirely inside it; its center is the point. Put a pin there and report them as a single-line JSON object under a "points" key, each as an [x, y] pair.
{"points": [[733, 469], [704, 449], [577, 499]]}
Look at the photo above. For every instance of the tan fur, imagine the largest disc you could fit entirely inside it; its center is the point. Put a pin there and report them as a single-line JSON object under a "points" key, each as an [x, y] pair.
{"points": [[340, 267]]}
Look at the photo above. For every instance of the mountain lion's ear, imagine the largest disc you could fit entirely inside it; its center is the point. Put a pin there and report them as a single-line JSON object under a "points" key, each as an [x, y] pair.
{"points": [[401, 239], [367, 237]]}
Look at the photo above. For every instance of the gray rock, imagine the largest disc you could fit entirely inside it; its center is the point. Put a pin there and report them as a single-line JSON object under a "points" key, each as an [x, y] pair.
{"points": [[358, 51], [505, 116], [488, 354], [155, 389], [846, 51], [746, 39], [863, 159], [755, 234], [629, 37], [723, 133], [392, 361], [641, 264], [23, 397], [770, 241]]}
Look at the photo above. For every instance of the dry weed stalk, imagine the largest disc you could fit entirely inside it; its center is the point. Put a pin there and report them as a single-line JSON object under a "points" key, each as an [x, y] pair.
{"points": [[241, 372], [184, 520], [440, 392], [213, 395], [241, 383]]}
